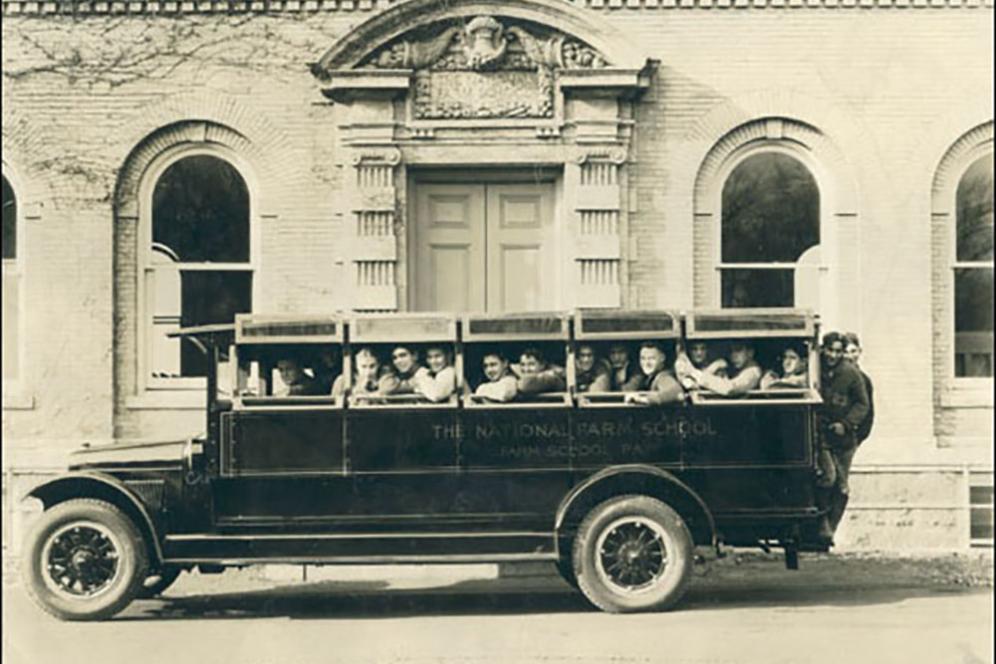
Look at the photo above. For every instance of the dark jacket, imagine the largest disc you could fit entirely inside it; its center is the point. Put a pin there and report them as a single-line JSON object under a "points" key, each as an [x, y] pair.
{"points": [[845, 398], [628, 381], [663, 388], [596, 379], [864, 430]]}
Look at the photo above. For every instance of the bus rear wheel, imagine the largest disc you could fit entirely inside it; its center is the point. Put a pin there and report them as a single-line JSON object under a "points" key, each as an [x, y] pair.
{"points": [[633, 553]]}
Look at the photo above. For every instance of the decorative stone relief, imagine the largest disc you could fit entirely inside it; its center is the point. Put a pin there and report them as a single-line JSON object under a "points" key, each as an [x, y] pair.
{"points": [[485, 68]]}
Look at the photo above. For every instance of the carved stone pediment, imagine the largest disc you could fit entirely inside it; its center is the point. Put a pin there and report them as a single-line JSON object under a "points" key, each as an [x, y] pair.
{"points": [[484, 67], [485, 43]]}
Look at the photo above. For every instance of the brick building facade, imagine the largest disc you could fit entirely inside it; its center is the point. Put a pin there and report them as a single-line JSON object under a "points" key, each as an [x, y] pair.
{"points": [[343, 119]]}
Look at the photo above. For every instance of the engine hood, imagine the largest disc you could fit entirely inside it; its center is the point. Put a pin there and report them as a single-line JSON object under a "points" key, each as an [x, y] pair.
{"points": [[133, 453]]}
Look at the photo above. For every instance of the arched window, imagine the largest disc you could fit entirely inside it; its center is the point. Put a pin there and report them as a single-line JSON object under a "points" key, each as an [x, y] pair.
{"points": [[198, 270], [973, 271], [11, 285], [770, 233]]}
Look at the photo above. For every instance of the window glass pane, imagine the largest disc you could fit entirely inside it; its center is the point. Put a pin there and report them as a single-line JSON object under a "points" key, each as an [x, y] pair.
{"points": [[210, 297], [9, 221], [974, 322], [975, 212], [11, 306], [758, 288], [200, 210], [771, 210]]}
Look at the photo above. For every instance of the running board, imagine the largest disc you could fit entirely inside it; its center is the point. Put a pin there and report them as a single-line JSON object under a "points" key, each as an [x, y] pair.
{"points": [[356, 548]]}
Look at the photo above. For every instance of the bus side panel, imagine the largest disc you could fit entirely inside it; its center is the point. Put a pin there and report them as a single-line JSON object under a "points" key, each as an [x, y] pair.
{"points": [[404, 464], [515, 463], [749, 435], [627, 434]]}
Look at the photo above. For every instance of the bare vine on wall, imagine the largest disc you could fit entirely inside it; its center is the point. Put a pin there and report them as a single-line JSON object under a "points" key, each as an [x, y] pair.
{"points": [[115, 51], [135, 58]]}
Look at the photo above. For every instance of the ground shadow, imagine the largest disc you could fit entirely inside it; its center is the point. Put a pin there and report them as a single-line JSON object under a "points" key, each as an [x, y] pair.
{"points": [[376, 600]]}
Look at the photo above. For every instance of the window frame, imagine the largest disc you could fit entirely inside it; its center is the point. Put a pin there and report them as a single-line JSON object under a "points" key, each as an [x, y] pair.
{"points": [[445, 334], [822, 267], [809, 334], [194, 386], [969, 388], [13, 388], [469, 337]]}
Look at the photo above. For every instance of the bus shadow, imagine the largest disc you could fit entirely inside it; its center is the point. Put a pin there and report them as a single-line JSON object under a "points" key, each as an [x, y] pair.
{"points": [[377, 600], [367, 600]]}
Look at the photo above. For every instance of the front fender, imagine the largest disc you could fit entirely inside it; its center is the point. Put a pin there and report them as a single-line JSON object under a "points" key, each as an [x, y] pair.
{"points": [[94, 484]]}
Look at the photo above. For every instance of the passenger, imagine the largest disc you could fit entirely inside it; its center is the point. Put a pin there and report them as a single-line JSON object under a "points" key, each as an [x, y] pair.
{"points": [[697, 358], [592, 374], [537, 376], [845, 407], [405, 372], [499, 382], [623, 372], [852, 351], [295, 381], [326, 368], [743, 373], [369, 377], [794, 371], [657, 384], [438, 382]]}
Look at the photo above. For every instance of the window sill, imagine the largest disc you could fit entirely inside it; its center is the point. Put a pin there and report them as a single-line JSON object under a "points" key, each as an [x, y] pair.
{"points": [[167, 400], [973, 393], [14, 400]]}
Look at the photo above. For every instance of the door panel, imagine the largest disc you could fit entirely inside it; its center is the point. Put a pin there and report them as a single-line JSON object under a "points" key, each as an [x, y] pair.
{"points": [[519, 283], [450, 283], [449, 247]]}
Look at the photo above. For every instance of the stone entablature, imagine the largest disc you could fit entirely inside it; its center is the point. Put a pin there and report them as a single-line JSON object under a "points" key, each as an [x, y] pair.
{"points": [[86, 7]]}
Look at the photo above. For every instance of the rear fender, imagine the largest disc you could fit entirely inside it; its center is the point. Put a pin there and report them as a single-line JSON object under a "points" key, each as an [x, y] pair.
{"points": [[638, 479]]}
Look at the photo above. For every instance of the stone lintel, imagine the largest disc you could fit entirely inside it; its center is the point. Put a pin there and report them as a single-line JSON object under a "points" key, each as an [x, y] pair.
{"points": [[346, 86]]}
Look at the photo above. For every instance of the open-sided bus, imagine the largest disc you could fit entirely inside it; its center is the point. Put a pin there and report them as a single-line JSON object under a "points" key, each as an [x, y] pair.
{"points": [[616, 494]]}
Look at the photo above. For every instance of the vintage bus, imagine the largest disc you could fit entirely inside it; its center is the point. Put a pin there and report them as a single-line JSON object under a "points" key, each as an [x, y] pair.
{"points": [[616, 494]]}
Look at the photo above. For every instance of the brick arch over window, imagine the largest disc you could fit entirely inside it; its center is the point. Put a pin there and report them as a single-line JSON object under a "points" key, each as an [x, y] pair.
{"points": [[817, 153], [950, 391], [23, 147], [133, 195]]}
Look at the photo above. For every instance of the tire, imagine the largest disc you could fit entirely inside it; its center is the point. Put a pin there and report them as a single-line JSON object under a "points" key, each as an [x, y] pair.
{"points": [[633, 553], [157, 583], [101, 552], [566, 567]]}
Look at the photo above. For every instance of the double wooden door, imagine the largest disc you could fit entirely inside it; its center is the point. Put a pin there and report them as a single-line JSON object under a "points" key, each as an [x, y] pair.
{"points": [[485, 247]]}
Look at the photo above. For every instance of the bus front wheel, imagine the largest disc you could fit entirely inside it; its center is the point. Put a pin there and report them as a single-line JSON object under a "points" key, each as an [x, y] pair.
{"points": [[633, 553]]}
